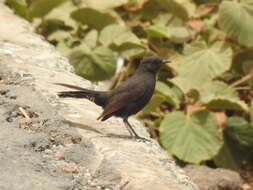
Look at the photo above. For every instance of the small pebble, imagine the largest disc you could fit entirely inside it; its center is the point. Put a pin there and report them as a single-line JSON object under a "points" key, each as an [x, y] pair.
{"points": [[48, 151]]}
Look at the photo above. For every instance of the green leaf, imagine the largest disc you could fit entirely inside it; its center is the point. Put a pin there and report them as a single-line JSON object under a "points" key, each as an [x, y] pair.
{"points": [[240, 130], [103, 5], [59, 36], [123, 41], [120, 36], [40, 8], [49, 26], [218, 95], [227, 104], [206, 1], [200, 64], [243, 63], [192, 139], [63, 13], [180, 34], [64, 41], [153, 104], [91, 39], [93, 18], [181, 9], [240, 59], [251, 114], [63, 48], [157, 31], [99, 64], [248, 67], [130, 50], [236, 19], [228, 157], [173, 95], [151, 11], [163, 18], [20, 7]]}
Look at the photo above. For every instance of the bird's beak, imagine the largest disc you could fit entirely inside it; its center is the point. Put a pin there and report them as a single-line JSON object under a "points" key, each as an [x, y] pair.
{"points": [[166, 61]]}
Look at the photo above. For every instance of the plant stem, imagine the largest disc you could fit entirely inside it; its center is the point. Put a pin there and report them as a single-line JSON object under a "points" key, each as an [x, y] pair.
{"points": [[242, 80]]}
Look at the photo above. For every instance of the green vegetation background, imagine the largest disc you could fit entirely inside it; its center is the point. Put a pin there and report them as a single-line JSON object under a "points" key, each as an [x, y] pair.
{"points": [[201, 110]]}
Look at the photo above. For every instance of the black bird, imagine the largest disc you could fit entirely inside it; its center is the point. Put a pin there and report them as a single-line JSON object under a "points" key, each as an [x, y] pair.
{"points": [[128, 98]]}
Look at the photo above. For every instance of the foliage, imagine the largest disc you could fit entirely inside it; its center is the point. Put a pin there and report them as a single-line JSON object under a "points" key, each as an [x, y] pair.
{"points": [[202, 103], [198, 134]]}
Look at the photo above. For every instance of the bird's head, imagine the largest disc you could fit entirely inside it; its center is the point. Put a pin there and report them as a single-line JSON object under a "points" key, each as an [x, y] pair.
{"points": [[152, 63]]}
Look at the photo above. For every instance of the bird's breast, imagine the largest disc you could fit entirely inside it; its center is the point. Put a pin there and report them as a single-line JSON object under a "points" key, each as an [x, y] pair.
{"points": [[142, 101]]}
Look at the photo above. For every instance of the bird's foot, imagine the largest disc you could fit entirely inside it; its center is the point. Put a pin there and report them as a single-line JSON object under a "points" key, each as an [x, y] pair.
{"points": [[140, 139]]}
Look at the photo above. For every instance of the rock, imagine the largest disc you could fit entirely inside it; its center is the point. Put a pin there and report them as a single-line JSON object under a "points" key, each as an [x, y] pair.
{"points": [[214, 179], [54, 144]]}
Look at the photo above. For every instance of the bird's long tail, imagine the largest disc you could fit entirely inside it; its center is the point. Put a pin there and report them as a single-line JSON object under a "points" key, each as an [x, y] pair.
{"points": [[74, 94], [94, 96]]}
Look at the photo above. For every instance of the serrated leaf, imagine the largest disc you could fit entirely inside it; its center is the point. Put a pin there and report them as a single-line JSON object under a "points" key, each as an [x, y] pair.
{"points": [[236, 19], [218, 95], [173, 95], [200, 64], [103, 5], [40, 8], [93, 18], [240, 130], [157, 31], [99, 64], [193, 139], [120, 36], [227, 104], [20, 7], [215, 90]]}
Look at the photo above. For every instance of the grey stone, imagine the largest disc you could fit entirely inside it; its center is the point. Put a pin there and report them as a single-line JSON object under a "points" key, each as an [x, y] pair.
{"points": [[61, 146], [83, 153], [214, 179]]}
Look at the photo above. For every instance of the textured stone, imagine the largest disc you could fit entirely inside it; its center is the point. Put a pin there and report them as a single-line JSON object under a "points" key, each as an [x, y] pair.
{"points": [[62, 145], [214, 179]]}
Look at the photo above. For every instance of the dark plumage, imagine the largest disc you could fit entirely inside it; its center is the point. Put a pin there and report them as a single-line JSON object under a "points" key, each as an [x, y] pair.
{"points": [[128, 98]]}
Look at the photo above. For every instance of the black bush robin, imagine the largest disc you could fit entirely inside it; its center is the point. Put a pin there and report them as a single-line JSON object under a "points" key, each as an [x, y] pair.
{"points": [[128, 98]]}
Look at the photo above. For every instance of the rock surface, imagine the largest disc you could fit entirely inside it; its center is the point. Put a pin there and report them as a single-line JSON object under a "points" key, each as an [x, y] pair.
{"points": [[214, 179], [47, 143]]}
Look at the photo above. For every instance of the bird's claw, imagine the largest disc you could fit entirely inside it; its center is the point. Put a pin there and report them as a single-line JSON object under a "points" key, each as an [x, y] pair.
{"points": [[140, 139]]}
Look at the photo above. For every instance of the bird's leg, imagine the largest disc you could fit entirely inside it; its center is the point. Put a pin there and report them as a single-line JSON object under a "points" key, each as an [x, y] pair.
{"points": [[131, 130]]}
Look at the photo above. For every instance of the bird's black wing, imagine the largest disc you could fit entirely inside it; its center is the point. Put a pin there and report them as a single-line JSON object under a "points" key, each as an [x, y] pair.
{"points": [[123, 95]]}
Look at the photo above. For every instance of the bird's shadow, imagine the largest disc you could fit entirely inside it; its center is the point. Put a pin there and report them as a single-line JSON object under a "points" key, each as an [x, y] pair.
{"points": [[141, 139], [118, 136], [109, 135], [83, 126]]}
